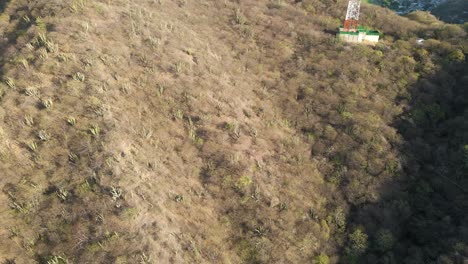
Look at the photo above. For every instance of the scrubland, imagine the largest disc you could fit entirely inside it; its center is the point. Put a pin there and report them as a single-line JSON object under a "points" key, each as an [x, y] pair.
{"points": [[182, 131]]}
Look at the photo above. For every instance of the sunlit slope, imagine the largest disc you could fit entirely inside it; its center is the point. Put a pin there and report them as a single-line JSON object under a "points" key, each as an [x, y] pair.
{"points": [[216, 132]]}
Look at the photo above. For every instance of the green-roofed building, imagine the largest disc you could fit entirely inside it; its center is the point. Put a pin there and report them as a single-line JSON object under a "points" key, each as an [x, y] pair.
{"points": [[360, 35]]}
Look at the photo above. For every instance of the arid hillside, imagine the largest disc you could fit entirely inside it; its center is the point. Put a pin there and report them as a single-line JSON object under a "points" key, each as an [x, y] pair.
{"points": [[229, 131]]}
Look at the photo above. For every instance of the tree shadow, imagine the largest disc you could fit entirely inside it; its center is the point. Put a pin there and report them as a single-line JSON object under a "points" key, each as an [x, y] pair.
{"points": [[422, 216], [3, 41], [330, 32], [3, 5], [11, 36]]}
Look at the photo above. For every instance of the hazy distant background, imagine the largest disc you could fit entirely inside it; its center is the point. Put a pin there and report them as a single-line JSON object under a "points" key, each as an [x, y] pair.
{"points": [[451, 11]]}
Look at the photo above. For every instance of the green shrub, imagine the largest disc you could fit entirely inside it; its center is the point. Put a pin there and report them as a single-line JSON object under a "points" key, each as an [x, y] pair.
{"points": [[243, 182], [456, 56], [338, 217], [357, 242], [322, 259]]}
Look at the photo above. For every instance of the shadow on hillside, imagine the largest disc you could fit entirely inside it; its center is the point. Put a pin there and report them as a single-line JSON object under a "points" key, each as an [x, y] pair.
{"points": [[3, 5], [422, 216], [330, 32], [3, 41], [9, 37]]}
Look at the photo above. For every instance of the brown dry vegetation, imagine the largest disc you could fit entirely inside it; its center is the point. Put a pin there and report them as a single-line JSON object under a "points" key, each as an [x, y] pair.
{"points": [[180, 131]]}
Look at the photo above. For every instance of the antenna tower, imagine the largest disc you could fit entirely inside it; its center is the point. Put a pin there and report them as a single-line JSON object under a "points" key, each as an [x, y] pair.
{"points": [[352, 16]]}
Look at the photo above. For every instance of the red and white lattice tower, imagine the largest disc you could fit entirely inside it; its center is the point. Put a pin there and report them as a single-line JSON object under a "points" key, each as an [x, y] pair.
{"points": [[352, 16]]}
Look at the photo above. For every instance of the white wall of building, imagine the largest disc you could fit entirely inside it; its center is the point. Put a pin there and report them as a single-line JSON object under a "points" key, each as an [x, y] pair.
{"points": [[371, 38], [361, 37]]}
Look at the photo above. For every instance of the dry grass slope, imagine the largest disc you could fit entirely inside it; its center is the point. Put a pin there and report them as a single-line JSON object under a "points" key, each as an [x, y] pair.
{"points": [[179, 131]]}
